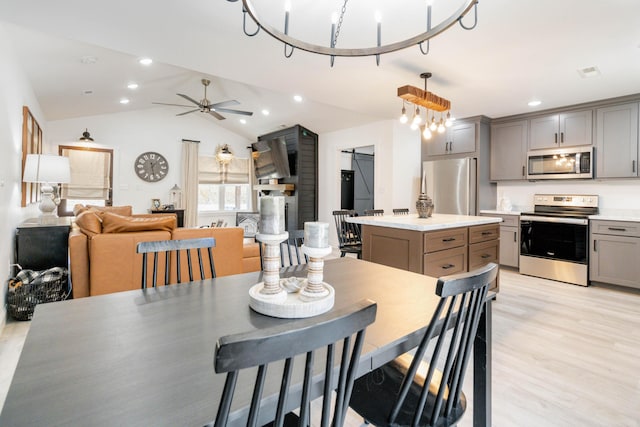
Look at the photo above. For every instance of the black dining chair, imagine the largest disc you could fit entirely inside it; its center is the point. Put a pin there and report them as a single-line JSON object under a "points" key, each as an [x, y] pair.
{"points": [[401, 211], [290, 250], [172, 261], [349, 238], [374, 212], [336, 336], [426, 389]]}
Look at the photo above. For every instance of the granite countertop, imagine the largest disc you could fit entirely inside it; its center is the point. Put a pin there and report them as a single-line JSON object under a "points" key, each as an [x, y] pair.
{"points": [[435, 222], [499, 212], [617, 217]]}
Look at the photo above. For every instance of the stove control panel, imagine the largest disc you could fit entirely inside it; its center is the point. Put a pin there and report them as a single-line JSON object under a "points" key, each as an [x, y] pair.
{"points": [[569, 200]]}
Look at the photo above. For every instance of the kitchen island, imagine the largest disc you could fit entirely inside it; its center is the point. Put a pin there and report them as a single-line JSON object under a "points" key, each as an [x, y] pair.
{"points": [[437, 246]]}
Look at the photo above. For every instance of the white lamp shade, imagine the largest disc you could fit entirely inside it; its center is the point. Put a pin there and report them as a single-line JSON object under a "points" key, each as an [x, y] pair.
{"points": [[46, 168]]}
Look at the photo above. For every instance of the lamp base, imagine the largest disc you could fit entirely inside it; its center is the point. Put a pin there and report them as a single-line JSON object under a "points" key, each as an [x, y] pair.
{"points": [[47, 205]]}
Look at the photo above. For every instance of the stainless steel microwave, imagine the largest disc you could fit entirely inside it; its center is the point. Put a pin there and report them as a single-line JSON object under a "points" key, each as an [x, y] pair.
{"points": [[560, 163]]}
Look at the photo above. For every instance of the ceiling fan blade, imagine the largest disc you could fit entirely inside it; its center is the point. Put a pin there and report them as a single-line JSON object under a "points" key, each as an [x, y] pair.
{"points": [[175, 105], [188, 98], [187, 112], [217, 116], [226, 110], [224, 104]]}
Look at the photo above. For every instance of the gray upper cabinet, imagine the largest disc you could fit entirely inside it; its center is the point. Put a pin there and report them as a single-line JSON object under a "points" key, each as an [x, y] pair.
{"points": [[566, 129], [617, 141], [509, 150], [459, 138]]}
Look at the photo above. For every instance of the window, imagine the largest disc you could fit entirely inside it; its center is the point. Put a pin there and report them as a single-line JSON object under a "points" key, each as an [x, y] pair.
{"points": [[91, 178], [223, 187]]}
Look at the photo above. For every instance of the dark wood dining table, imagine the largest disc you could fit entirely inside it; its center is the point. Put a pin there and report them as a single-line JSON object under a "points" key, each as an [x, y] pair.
{"points": [[145, 357]]}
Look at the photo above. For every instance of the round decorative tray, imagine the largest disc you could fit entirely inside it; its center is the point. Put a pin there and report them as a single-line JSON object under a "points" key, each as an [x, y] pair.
{"points": [[290, 303]]}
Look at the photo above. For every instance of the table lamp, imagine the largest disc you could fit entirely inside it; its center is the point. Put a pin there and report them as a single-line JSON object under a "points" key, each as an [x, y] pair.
{"points": [[46, 169]]}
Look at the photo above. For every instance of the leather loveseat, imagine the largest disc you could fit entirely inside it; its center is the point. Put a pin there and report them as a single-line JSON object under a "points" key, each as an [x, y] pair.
{"points": [[102, 248]]}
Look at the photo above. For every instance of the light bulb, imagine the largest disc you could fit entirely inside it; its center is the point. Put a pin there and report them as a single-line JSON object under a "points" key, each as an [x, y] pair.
{"points": [[417, 119], [413, 126], [433, 126], [448, 122], [403, 117], [441, 128], [426, 133]]}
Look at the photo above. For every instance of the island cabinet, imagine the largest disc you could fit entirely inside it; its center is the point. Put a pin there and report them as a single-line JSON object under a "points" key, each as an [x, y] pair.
{"points": [[566, 129], [615, 251], [434, 253]]}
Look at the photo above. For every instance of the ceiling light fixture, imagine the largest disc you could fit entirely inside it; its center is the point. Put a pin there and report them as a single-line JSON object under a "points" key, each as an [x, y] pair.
{"points": [[430, 101], [124, 101], [145, 61], [224, 154], [265, 112], [86, 136], [424, 34], [132, 86], [297, 98], [534, 103]]}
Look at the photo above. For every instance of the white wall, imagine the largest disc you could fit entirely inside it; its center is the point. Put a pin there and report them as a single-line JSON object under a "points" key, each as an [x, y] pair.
{"points": [[15, 92], [616, 196], [155, 129], [396, 173]]}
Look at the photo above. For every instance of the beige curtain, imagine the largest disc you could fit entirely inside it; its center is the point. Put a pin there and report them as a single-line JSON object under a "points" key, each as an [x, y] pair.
{"points": [[90, 172], [212, 172], [190, 181]]}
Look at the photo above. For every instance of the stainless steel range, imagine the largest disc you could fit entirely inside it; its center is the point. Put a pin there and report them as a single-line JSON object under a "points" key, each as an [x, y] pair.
{"points": [[554, 238]]}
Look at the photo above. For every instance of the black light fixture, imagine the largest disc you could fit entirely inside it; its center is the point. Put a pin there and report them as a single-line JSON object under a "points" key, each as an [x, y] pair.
{"points": [[86, 137]]}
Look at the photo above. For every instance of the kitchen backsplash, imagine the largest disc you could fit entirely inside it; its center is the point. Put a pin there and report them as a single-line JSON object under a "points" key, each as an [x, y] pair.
{"points": [[615, 196]]}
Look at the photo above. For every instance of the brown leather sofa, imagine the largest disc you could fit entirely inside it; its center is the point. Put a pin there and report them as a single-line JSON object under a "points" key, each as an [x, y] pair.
{"points": [[102, 249]]}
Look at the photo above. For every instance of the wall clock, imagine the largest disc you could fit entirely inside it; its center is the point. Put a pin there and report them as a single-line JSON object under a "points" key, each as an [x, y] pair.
{"points": [[151, 166]]}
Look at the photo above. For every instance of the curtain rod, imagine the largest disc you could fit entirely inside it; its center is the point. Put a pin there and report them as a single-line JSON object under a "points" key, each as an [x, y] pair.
{"points": [[353, 152], [190, 140]]}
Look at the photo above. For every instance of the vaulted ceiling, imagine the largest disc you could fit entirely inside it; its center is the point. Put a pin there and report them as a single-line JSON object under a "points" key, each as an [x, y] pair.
{"points": [[519, 51]]}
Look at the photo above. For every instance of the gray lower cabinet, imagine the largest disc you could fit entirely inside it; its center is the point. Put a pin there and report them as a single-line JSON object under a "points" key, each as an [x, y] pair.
{"points": [[509, 151], [509, 254], [615, 253], [617, 141]]}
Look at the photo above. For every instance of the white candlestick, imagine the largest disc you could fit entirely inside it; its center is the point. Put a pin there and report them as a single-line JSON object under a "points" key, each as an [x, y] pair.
{"points": [[424, 182], [316, 234], [272, 215]]}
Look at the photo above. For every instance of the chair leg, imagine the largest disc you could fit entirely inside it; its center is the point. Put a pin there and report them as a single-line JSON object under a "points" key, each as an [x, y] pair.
{"points": [[342, 254]]}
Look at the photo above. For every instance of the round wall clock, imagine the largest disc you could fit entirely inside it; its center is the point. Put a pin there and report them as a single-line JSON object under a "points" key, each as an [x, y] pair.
{"points": [[151, 166]]}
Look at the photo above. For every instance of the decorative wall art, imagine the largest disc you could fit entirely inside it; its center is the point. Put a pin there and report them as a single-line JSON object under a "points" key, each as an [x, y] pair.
{"points": [[31, 144]]}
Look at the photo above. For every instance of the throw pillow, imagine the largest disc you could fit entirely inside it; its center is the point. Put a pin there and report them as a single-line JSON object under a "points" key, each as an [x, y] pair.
{"points": [[89, 223], [124, 210], [114, 223]]}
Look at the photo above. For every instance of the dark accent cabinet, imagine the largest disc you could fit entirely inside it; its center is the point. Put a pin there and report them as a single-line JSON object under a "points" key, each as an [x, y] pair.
{"points": [[302, 150], [42, 244], [179, 214]]}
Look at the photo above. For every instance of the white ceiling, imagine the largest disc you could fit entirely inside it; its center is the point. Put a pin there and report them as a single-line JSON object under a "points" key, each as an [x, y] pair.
{"points": [[520, 50]]}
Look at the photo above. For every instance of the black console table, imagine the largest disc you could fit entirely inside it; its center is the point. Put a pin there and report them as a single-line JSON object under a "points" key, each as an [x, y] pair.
{"points": [[179, 214], [43, 243]]}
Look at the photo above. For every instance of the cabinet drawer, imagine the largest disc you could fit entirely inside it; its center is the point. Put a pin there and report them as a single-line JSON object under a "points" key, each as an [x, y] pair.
{"points": [[510, 220], [616, 228], [445, 239], [447, 262], [483, 253], [482, 233]]}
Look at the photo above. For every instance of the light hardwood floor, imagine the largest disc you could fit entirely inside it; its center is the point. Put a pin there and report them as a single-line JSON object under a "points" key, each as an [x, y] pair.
{"points": [[563, 355]]}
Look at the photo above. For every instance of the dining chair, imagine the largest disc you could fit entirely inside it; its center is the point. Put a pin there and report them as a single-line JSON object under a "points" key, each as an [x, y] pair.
{"points": [[374, 212], [426, 389], [401, 211], [290, 250], [337, 336], [172, 260], [349, 238]]}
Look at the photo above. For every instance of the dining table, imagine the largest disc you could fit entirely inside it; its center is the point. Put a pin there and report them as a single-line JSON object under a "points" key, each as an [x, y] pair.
{"points": [[145, 357]]}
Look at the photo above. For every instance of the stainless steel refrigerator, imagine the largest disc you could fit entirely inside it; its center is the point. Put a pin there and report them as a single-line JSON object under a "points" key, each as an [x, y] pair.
{"points": [[452, 184]]}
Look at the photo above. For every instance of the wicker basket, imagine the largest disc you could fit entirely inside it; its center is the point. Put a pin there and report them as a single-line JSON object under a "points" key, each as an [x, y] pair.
{"points": [[43, 287]]}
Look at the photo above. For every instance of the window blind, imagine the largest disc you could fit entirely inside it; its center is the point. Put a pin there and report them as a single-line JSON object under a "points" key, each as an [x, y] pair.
{"points": [[90, 172], [210, 171]]}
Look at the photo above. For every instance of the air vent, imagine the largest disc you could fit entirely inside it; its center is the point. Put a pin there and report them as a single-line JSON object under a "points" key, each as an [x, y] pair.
{"points": [[589, 72]]}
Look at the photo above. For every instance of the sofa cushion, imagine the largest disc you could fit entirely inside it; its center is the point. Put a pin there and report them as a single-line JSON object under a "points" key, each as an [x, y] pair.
{"points": [[89, 223], [125, 210], [114, 223]]}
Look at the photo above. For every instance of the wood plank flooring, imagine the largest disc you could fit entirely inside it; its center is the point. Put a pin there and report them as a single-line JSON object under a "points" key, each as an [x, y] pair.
{"points": [[563, 355]]}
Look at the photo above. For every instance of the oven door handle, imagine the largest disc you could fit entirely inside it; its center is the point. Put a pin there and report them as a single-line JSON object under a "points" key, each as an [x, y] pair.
{"points": [[559, 220]]}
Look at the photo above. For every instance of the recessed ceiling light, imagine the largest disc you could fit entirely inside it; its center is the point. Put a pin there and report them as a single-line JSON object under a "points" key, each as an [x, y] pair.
{"points": [[297, 98], [534, 103], [589, 72], [124, 101], [243, 121], [132, 85], [87, 92], [265, 112], [145, 61]]}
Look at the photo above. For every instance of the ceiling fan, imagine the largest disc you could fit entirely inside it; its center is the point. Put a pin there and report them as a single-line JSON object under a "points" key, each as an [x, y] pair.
{"points": [[205, 106]]}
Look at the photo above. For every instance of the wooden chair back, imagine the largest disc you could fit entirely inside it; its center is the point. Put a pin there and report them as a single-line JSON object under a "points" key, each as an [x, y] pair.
{"points": [[337, 335], [401, 211], [349, 237], [374, 212], [426, 389], [168, 256]]}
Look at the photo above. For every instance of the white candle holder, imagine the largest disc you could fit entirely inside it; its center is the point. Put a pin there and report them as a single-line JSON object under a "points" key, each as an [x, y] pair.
{"points": [[271, 265], [315, 288]]}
